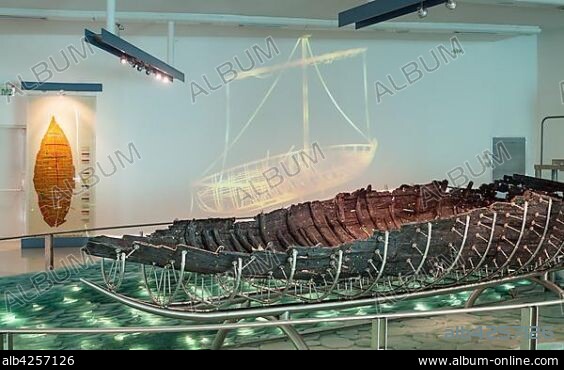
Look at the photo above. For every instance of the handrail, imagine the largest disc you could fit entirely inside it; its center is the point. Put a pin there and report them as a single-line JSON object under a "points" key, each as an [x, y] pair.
{"points": [[66, 232], [542, 135], [247, 325], [84, 231]]}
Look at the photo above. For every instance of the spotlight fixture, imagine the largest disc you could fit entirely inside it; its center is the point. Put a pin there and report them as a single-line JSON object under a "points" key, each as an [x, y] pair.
{"points": [[138, 58], [451, 4], [158, 76], [167, 79], [422, 12], [377, 11]]}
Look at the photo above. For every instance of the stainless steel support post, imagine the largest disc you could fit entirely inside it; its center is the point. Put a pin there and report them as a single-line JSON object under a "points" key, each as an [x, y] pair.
{"points": [[10, 341], [49, 252], [530, 319], [379, 334], [6, 342]]}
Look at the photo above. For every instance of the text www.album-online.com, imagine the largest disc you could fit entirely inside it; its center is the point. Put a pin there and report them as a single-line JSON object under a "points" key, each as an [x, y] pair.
{"points": [[497, 361]]}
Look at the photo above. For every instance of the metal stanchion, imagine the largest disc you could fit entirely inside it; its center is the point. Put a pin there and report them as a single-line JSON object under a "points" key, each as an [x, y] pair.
{"points": [[530, 319], [379, 334], [49, 252]]}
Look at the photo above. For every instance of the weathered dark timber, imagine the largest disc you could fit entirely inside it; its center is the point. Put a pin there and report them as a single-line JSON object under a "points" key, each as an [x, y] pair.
{"points": [[441, 236]]}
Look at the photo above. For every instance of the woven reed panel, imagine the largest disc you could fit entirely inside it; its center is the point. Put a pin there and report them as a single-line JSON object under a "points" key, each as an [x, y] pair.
{"points": [[54, 175]]}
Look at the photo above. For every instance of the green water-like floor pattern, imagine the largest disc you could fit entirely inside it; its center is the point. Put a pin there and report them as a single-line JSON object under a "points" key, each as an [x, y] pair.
{"points": [[58, 300]]}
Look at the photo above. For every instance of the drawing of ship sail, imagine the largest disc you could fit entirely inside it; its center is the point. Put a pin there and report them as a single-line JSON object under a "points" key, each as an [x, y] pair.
{"points": [[282, 179], [54, 175]]}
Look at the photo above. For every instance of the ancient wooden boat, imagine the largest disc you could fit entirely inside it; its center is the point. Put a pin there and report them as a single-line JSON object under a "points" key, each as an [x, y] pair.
{"points": [[54, 175], [364, 243]]}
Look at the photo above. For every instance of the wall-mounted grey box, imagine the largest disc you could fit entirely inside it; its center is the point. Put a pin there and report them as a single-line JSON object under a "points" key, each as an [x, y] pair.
{"points": [[509, 156]]}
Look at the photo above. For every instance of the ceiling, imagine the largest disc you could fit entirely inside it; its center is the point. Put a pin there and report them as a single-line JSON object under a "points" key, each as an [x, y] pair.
{"points": [[544, 13]]}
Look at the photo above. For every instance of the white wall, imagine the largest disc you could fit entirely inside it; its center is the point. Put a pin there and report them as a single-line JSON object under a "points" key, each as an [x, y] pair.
{"points": [[437, 124]]}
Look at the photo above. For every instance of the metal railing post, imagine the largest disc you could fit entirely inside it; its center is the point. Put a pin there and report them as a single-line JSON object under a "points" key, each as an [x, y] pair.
{"points": [[49, 252], [530, 319], [10, 340], [379, 334]]}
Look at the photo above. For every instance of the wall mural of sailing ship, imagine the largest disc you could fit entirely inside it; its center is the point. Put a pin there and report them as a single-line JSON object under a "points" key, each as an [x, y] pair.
{"points": [[54, 175], [362, 244], [253, 187]]}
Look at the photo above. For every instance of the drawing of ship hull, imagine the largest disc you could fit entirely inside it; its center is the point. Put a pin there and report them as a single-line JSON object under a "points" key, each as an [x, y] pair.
{"points": [[414, 237], [281, 180]]}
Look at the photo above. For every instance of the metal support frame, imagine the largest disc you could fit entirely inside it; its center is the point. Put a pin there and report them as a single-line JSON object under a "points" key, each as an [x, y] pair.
{"points": [[543, 281], [549, 285], [471, 302], [543, 123], [530, 319], [291, 333], [379, 334], [554, 171], [177, 312]]}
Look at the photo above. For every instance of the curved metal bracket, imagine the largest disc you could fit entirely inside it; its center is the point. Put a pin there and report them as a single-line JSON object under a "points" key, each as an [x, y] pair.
{"points": [[474, 297], [541, 241], [517, 244], [165, 294], [114, 278], [293, 335], [549, 285], [488, 247]]}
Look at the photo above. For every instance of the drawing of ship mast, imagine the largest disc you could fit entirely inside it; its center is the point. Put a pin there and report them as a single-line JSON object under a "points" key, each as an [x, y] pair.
{"points": [[272, 181]]}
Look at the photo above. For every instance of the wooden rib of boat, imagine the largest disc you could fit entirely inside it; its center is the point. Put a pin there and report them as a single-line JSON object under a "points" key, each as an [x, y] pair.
{"points": [[431, 231]]}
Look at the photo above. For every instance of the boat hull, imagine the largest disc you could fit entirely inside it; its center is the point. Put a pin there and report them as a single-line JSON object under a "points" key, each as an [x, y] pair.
{"points": [[413, 235]]}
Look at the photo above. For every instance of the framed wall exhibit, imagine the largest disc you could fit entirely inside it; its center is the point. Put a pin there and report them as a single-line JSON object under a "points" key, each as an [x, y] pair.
{"points": [[60, 162]]}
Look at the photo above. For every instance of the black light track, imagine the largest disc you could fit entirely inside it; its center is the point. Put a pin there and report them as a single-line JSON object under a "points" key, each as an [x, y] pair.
{"points": [[378, 11]]}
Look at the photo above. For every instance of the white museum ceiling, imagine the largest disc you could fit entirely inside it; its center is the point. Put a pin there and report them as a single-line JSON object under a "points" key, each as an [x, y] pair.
{"points": [[544, 13]]}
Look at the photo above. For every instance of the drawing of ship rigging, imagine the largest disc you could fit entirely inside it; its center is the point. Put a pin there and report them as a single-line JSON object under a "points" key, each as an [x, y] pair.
{"points": [[273, 180]]}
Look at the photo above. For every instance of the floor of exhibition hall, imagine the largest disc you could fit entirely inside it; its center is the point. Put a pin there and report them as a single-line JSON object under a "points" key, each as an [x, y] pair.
{"points": [[56, 299]]}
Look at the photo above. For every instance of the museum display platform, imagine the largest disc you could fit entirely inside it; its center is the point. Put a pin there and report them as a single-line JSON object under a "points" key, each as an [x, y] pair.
{"points": [[69, 304]]}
